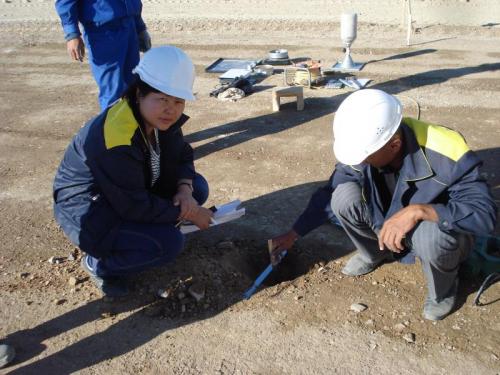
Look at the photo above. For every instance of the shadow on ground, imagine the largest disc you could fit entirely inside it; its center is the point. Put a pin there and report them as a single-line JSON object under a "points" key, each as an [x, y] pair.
{"points": [[245, 130], [225, 267], [222, 264]]}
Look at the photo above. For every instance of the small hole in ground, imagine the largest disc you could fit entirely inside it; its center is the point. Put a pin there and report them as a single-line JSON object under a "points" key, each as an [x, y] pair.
{"points": [[251, 264]]}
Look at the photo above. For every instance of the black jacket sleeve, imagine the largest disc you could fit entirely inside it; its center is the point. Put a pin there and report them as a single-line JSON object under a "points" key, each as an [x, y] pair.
{"points": [[318, 210], [186, 166], [120, 174]]}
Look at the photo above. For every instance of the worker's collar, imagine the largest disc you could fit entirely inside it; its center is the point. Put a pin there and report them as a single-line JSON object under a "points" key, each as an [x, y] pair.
{"points": [[415, 164]]}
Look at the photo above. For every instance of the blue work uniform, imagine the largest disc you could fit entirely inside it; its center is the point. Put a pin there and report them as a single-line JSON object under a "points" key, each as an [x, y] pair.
{"points": [[438, 169], [104, 199], [111, 29]]}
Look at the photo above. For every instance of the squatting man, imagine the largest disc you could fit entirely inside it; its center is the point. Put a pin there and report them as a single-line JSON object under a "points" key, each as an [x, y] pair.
{"points": [[401, 188]]}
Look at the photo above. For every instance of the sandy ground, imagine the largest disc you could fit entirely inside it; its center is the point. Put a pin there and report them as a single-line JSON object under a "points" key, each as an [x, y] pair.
{"points": [[301, 321]]}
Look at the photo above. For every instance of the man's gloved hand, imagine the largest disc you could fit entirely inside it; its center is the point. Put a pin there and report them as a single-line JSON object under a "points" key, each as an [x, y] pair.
{"points": [[144, 41]]}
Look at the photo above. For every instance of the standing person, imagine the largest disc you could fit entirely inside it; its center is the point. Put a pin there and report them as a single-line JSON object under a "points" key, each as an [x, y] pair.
{"points": [[402, 188], [114, 33], [128, 177]]}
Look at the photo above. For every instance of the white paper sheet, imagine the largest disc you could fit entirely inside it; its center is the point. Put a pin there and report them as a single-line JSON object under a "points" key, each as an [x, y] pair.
{"points": [[223, 214]]}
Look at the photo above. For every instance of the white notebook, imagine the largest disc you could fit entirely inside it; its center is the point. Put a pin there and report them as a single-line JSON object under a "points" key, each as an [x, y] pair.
{"points": [[222, 214]]}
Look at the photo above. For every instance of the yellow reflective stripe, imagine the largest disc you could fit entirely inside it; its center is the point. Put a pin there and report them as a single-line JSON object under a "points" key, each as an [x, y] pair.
{"points": [[438, 138], [119, 126]]}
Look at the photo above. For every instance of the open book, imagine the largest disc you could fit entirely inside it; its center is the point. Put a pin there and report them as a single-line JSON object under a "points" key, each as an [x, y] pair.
{"points": [[222, 214]]}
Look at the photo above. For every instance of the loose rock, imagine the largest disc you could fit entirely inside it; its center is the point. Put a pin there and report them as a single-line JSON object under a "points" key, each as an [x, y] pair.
{"points": [[197, 291], [400, 327], [358, 307], [54, 260], [72, 281], [108, 314], [163, 293], [409, 337]]}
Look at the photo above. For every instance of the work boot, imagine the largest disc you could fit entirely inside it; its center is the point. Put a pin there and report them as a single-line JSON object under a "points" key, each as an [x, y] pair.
{"points": [[7, 354], [357, 266], [439, 309], [109, 286]]}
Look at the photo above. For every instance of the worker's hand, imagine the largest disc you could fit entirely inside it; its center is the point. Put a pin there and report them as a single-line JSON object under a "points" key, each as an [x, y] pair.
{"points": [[185, 200], [201, 217], [76, 49], [395, 228], [144, 41], [283, 242]]}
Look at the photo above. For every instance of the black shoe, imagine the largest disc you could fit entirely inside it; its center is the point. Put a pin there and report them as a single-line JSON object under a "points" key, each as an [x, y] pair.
{"points": [[110, 287]]}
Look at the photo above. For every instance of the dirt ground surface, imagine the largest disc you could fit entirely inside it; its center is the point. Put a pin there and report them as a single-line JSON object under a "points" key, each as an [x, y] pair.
{"points": [[301, 321]]}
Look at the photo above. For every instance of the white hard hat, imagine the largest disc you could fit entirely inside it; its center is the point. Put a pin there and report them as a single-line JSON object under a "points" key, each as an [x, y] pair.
{"points": [[364, 123], [169, 70]]}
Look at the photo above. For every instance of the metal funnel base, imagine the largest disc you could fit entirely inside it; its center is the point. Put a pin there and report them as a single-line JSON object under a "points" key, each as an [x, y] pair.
{"points": [[347, 65]]}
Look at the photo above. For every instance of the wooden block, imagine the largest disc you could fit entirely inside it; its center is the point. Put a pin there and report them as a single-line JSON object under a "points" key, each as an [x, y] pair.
{"points": [[293, 91]]}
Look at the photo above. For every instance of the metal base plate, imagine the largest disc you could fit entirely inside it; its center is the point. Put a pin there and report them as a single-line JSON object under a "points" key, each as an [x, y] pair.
{"points": [[356, 67], [277, 62]]}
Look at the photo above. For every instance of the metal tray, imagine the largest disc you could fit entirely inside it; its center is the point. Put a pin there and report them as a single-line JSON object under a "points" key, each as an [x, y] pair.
{"points": [[222, 65]]}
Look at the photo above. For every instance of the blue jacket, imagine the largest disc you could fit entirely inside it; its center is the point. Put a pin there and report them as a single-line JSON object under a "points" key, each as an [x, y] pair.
{"points": [[104, 178], [438, 169], [96, 13]]}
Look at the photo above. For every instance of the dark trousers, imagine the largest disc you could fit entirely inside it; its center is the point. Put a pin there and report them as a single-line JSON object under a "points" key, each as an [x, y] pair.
{"points": [[139, 246], [440, 253]]}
